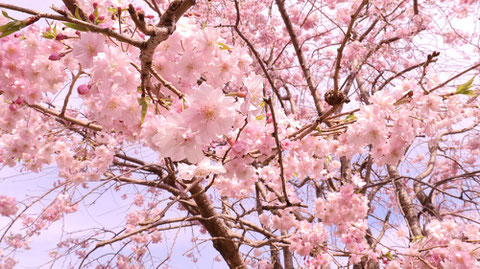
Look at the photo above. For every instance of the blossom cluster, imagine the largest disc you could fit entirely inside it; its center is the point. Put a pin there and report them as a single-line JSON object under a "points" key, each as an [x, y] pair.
{"points": [[230, 105]]}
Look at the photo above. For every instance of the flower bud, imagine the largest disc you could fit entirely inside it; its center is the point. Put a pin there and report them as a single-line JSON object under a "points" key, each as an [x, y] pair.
{"points": [[83, 89], [13, 107], [56, 56], [61, 37], [19, 101]]}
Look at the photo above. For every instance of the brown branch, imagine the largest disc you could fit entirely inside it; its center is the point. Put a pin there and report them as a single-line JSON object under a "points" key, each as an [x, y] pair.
{"points": [[91, 27], [344, 43], [256, 54], [399, 74], [406, 204], [139, 20], [166, 84], [175, 11], [279, 150], [223, 241], [155, 7], [431, 58], [73, 7], [425, 200], [382, 232], [155, 184], [64, 117], [300, 57], [454, 77], [158, 34], [145, 228], [65, 102]]}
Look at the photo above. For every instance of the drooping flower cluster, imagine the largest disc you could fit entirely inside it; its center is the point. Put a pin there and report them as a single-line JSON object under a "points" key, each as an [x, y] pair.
{"points": [[183, 136], [346, 210], [8, 206], [447, 245]]}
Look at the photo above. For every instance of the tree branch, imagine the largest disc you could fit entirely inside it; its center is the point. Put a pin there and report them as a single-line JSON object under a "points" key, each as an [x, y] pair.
{"points": [[344, 43], [73, 7], [92, 27], [300, 57]]}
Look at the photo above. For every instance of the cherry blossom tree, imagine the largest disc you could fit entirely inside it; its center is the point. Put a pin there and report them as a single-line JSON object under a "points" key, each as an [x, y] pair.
{"points": [[285, 134]]}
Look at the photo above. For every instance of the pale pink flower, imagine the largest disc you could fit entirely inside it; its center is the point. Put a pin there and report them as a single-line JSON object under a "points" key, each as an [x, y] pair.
{"points": [[87, 47], [358, 181], [8, 206], [202, 169], [156, 237], [211, 113], [224, 67], [139, 200], [177, 141], [208, 40], [111, 64], [191, 66], [254, 99]]}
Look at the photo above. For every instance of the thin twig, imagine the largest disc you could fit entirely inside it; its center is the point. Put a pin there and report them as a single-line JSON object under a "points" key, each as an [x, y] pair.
{"points": [[89, 26], [300, 57], [67, 118], [344, 43], [454, 77], [279, 147], [65, 102]]}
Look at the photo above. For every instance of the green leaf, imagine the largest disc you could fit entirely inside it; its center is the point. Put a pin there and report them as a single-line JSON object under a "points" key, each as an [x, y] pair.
{"points": [[260, 117], [350, 118], [11, 28], [5, 27], [143, 102], [417, 238], [77, 14], [465, 88], [112, 10], [5, 14], [95, 14], [48, 35], [76, 27], [329, 159], [389, 256], [262, 104], [223, 46]]}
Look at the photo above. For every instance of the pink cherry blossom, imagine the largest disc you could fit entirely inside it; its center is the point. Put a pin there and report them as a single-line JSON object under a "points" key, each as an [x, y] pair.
{"points": [[211, 113], [87, 47]]}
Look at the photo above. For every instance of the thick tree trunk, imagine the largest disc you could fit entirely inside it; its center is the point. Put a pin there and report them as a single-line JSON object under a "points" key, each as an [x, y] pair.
{"points": [[406, 203], [217, 228]]}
